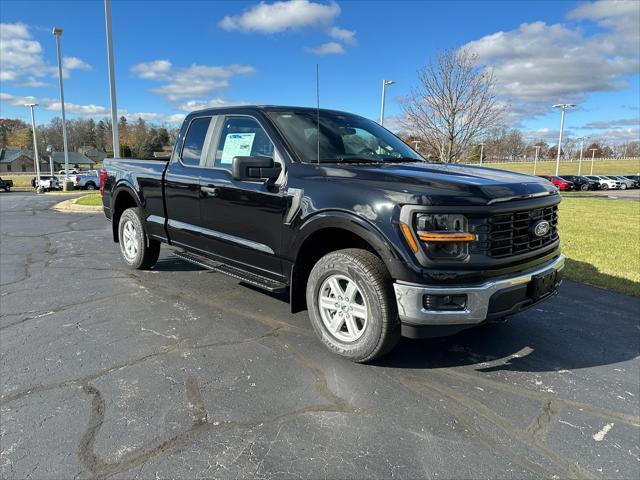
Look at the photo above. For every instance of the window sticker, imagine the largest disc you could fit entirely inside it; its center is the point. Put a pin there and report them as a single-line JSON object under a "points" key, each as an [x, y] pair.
{"points": [[236, 145]]}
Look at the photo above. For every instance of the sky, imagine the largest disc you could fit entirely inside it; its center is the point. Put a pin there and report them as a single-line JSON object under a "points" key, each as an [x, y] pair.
{"points": [[173, 57]]}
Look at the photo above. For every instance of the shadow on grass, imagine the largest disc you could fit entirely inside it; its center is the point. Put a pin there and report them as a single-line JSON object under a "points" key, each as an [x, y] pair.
{"points": [[586, 273]]}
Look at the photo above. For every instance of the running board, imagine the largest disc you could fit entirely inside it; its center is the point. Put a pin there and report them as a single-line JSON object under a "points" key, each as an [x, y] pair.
{"points": [[237, 273]]}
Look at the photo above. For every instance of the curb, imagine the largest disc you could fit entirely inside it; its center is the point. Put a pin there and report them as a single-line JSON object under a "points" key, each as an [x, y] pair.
{"points": [[70, 206]]}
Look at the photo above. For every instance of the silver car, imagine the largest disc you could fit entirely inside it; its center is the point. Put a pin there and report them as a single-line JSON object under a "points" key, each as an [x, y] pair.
{"points": [[87, 181], [624, 182]]}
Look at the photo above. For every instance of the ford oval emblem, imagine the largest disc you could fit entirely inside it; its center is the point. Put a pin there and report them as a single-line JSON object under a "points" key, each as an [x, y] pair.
{"points": [[542, 228]]}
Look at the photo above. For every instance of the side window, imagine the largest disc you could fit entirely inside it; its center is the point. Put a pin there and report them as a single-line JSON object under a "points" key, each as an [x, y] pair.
{"points": [[241, 137], [194, 141]]}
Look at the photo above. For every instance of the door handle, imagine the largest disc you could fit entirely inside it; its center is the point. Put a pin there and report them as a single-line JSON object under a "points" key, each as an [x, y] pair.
{"points": [[209, 191]]}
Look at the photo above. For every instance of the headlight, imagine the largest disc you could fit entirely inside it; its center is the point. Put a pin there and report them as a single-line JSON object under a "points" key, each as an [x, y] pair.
{"points": [[444, 236]]}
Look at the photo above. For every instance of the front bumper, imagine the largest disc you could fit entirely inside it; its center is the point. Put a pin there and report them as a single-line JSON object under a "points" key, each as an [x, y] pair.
{"points": [[496, 298]]}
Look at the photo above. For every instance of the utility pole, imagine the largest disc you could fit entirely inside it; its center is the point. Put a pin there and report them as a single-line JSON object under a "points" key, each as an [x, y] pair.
{"points": [[481, 152], [384, 85], [535, 159], [563, 107], [415, 144], [57, 32], [593, 153], [581, 151], [112, 80], [35, 143]]}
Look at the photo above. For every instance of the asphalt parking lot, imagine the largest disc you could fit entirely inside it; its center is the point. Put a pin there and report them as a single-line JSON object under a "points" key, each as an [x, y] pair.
{"points": [[184, 373]]}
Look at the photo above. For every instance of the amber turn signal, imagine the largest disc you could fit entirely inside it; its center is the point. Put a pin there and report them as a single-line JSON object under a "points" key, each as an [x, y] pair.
{"points": [[446, 237], [409, 236]]}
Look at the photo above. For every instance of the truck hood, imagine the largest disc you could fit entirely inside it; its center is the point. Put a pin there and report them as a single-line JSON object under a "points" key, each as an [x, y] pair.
{"points": [[443, 184]]}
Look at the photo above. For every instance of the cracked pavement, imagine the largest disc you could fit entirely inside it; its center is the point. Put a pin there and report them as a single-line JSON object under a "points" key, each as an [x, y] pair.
{"points": [[184, 373]]}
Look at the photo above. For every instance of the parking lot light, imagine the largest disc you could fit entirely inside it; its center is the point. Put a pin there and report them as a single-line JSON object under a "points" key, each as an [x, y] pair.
{"points": [[384, 85], [535, 159], [57, 32], [563, 107], [581, 152], [593, 154], [35, 143]]}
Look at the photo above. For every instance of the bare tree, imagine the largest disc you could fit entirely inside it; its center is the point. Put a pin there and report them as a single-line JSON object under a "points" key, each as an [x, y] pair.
{"points": [[453, 104]]}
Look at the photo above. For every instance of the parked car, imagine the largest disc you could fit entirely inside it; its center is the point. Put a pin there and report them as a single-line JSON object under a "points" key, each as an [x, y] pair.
{"points": [[47, 182], [635, 178], [624, 182], [559, 182], [72, 171], [361, 231], [581, 183], [87, 181], [605, 183], [6, 185]]}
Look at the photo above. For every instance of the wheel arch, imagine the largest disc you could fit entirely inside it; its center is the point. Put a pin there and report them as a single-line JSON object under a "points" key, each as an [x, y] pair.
{"points": [[124, 197], [330, 231]]}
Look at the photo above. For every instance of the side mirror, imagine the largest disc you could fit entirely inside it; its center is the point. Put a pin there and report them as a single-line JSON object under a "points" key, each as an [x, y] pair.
{"points": [[254, 168]]}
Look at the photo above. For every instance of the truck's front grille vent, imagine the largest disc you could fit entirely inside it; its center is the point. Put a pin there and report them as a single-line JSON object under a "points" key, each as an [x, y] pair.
{"points": [[513, 233]]}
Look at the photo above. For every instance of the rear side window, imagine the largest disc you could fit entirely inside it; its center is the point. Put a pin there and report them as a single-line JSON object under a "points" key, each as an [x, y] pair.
{"points": [[194, 141]]}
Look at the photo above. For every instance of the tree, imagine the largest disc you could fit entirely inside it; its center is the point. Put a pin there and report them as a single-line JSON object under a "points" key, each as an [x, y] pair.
{"points": [[7, 127], [22, 138], [514, 144], [453, 104]]}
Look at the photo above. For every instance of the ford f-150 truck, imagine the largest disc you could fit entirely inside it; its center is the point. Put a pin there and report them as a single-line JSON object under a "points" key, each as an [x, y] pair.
{"points": [[348, 219]]}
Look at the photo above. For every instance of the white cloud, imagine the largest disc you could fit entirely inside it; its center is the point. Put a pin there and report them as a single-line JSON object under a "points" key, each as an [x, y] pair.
{"points": [[344, 35], [189, 82], [21, 60], [280, 16], [329, 48], [156, 70], [537, 65], [603, 124]]}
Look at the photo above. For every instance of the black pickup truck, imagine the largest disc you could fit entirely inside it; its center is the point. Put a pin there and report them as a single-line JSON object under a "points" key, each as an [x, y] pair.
{"points": [[345, 217], [6, 185]]}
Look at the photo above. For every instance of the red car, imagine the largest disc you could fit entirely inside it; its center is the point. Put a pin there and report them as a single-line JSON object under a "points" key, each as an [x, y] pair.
{"points": [[559, 183]]}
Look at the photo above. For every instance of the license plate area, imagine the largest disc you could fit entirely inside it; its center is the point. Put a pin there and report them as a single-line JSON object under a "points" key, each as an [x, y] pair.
{"points": [[543, 284]]}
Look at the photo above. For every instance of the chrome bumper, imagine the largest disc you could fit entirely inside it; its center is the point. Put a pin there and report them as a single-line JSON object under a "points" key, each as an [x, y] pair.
{"points": [[409, 298]]}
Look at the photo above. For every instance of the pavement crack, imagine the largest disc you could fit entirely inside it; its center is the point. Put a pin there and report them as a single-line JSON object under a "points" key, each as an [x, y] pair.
{"points": [[194, 399]]}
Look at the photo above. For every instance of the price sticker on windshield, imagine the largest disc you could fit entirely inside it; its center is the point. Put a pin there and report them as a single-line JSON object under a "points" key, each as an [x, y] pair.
{"points": [[236, 145]]}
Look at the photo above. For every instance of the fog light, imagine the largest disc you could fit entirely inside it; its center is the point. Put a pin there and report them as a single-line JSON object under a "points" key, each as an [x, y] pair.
{"points": [[444, 302]]}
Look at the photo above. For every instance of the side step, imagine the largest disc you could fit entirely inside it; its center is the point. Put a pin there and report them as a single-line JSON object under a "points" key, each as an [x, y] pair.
{"points": [[242, 275]]}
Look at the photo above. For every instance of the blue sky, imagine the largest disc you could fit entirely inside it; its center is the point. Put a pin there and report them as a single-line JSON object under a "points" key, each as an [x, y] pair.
{"points": [[172, 57]]}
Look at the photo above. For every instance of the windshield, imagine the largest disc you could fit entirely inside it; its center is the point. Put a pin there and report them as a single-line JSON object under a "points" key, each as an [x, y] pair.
{"points": [[344, 138]]}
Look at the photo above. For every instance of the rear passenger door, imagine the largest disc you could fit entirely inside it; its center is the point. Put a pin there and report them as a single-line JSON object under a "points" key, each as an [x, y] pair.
{"points": [[243, 219], [182, 183]]}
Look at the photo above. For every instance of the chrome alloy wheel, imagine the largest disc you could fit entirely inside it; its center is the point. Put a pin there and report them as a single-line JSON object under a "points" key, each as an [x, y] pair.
{"points": [[343, 308], [130, 241]]}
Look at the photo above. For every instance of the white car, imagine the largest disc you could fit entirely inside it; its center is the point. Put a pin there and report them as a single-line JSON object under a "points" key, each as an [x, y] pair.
{"points": [[72, 171], [46, 182], [606, 183]]}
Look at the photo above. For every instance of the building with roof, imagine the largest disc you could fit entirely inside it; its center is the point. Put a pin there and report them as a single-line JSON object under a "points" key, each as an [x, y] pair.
{"points": [[76, 160], [19, 160]]}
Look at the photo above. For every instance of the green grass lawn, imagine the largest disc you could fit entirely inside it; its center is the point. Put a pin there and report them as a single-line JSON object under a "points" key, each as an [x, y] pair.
{"points": [[18, 180], [601, 239], [93, 200], [600, 167]]}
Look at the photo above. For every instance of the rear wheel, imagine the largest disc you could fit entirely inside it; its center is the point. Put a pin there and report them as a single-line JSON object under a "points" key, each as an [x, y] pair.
{"points": [[90, 186], [7, 188], [138, 251], [352, 306]]}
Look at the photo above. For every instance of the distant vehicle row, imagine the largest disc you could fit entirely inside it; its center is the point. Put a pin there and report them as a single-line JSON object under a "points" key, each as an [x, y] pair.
{"points": [[593, 182], [82, 181]]}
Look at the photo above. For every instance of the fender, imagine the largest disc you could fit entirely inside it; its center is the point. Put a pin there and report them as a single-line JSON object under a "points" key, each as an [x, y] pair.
{"points": [[123, 186]]}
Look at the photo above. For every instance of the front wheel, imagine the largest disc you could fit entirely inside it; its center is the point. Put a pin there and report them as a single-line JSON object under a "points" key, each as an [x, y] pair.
{"points": [[623, 186], [584, 187], [605, 186], [352, 305], [7, 188], [138, 251]]}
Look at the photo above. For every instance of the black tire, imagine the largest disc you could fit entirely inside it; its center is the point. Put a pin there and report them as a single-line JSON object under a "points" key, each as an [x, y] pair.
{"points": [[370, 275], [90, 186], [623, 186], [7, 188], [584, 187], [147, 250], [605, 186]]}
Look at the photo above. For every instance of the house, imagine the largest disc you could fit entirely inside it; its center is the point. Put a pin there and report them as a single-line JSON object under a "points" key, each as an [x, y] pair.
{"points": [[76, 160], [19, 160], [93, 153]]}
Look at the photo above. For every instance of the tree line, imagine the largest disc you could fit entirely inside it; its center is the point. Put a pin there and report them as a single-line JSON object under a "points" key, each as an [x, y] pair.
{"points": [[137, 139]]}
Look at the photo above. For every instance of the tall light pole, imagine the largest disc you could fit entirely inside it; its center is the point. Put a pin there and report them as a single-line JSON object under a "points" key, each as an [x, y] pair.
{"points": [[593, 154], [581, 152], [57, 32], [535, 159], [563, 107], [35, 143], [384, 85], [112, 80], [415, 144], [481, 152]]}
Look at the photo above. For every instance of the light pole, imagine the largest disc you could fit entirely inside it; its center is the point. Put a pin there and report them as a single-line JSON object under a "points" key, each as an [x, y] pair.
{"points": [[415, 144], [535, 159], [57, 32], [563, 107], [112, 80], [384, 85], [51, 151], [593, 154], [481, 152], [35, 143], [581, 152]]}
